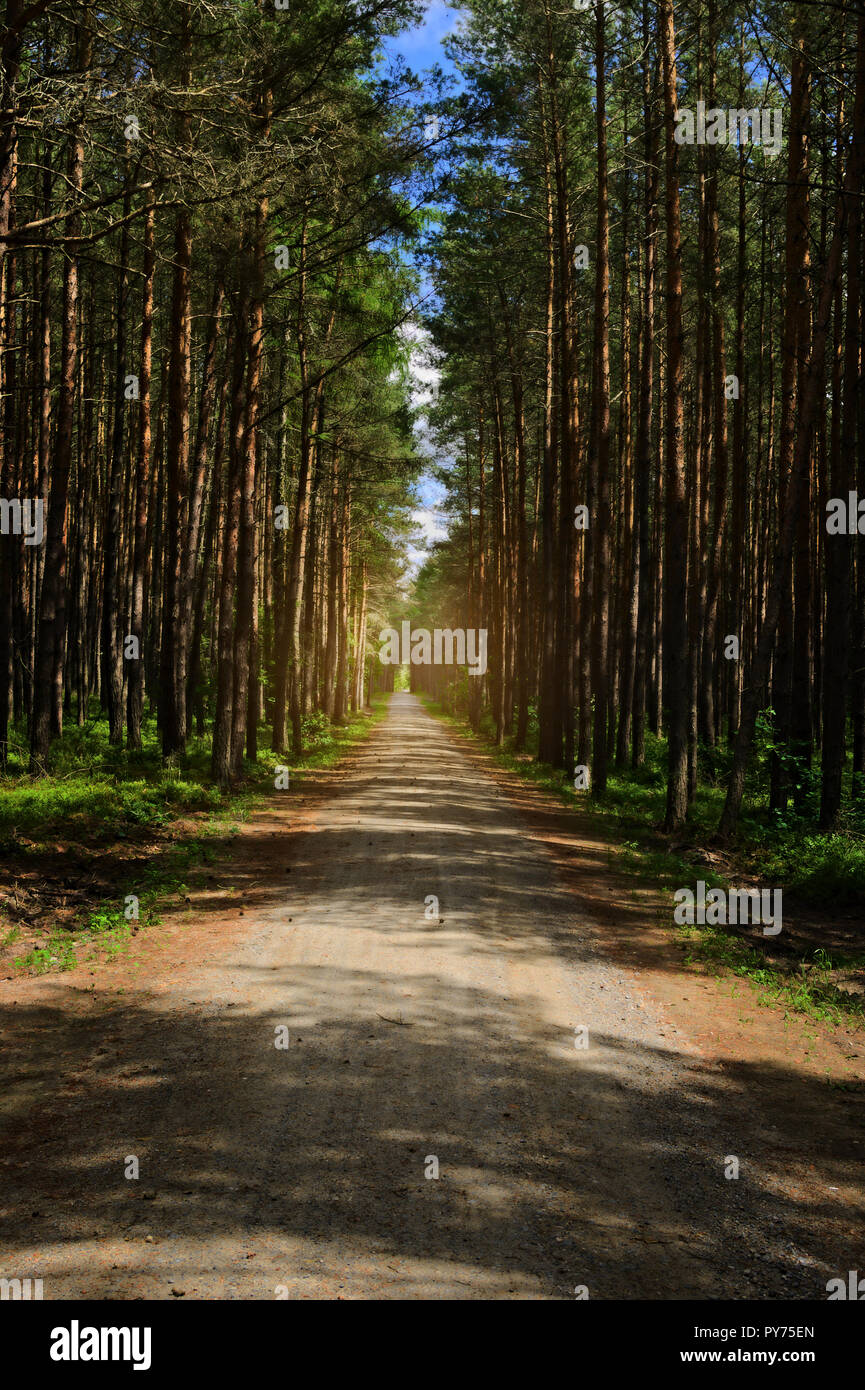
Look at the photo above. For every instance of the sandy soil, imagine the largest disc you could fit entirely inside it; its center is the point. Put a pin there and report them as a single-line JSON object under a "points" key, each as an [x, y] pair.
{"points": [[300, 1171]]}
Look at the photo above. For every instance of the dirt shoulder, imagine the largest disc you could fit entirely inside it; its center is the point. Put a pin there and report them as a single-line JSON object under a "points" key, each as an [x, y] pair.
{"points": [[802, 1081], [725, 1012]]}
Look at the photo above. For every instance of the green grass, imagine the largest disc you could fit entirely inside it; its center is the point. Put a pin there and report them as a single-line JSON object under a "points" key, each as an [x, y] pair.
{"points": [[326, 743], [94, 788], [74, 805], [809, 989], [96, 795], [812, 867]]}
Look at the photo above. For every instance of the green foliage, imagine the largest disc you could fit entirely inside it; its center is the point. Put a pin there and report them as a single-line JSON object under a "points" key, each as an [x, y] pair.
{"points": [[819, 868], [811, 989], [99, 805]]}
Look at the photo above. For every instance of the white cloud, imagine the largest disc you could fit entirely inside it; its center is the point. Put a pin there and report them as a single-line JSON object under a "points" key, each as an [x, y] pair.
{"points": [[424, 368], [430, 526], [430, 523]]}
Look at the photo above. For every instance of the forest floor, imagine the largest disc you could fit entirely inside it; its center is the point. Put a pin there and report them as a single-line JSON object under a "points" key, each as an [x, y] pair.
{"points": [[270, 1171]]}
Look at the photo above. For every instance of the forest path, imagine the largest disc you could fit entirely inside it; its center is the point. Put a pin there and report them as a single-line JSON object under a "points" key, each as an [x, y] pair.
{"points": [[266, 1171]]}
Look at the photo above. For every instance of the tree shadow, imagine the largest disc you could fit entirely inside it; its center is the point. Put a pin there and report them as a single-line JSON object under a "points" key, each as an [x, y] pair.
{"points": [[604, 1168]]}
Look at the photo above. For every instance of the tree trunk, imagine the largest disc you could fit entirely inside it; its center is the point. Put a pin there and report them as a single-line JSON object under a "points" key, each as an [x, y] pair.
{"points": [[676, 510], [601, 441], [51, 639], [135, 688]]}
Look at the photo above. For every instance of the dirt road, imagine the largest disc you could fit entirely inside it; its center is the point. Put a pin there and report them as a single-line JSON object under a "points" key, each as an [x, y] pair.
{"points": [[300, 1171]]}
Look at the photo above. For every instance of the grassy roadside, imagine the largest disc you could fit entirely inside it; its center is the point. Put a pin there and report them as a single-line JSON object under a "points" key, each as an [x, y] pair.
{"points": [[91, 853], [819, 970]]}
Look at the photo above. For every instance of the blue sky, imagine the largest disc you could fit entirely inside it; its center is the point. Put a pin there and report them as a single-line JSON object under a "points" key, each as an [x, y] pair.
{"points": [[421, 48]]}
